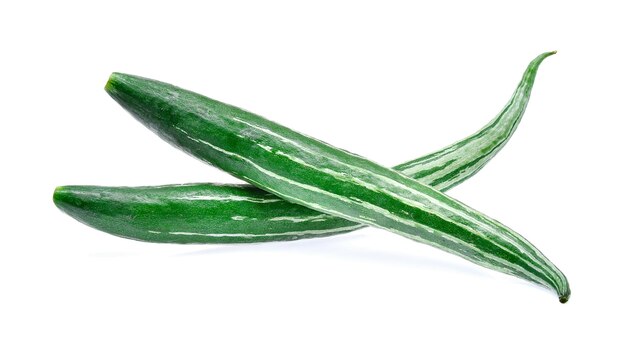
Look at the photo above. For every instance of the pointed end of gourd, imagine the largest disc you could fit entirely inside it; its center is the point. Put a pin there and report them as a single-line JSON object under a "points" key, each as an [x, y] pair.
{"points": [[74, 201], [59, 197], [56, 193], [110, 85], [68, 198], [118, 88], [546, 54], [563, 298]]}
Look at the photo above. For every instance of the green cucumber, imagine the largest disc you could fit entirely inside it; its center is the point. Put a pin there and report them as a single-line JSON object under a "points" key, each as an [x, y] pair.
{"points": [[305, 171], [244, 213]]}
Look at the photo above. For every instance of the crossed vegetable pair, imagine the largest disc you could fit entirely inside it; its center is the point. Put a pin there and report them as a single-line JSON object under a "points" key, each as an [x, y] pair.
{"points": [[301, 187]]}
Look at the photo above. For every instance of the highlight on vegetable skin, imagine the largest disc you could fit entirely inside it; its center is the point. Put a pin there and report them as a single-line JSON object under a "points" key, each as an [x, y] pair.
{"points": [[305, 171], [243, 213]]}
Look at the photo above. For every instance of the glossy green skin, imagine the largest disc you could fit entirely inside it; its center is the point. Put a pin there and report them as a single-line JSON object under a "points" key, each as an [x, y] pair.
{"points": [[151, 213], [316, 175]]}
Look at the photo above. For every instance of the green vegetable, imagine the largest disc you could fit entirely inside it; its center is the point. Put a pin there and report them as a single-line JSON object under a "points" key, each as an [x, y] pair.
{"points": [[244, 213], [316, 175]]}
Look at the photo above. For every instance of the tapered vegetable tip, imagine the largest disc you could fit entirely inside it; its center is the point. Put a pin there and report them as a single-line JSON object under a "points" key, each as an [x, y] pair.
{"points": [[76, 202], [110, 83], [64, 200], [58, 197], [115, 85]]}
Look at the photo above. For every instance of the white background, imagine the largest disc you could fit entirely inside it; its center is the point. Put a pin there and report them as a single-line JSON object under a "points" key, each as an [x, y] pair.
{"points": [[390, 81]]}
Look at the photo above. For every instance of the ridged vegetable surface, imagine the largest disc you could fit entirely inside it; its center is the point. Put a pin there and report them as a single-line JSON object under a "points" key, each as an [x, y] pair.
{"points": [[219, 213], [305, 171]]}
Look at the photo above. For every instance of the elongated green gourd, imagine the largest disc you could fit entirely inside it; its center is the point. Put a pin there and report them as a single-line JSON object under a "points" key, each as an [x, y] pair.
{"points": [[305, 171], [243, 213]]}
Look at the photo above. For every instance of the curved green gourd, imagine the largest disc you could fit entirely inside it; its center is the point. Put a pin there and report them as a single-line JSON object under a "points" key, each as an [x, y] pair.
{"points": [[244, 213], [311, 173], [448, 167]]}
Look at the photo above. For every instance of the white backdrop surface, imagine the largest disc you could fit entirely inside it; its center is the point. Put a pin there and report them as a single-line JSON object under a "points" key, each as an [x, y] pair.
{"points": [[388, 80]]}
